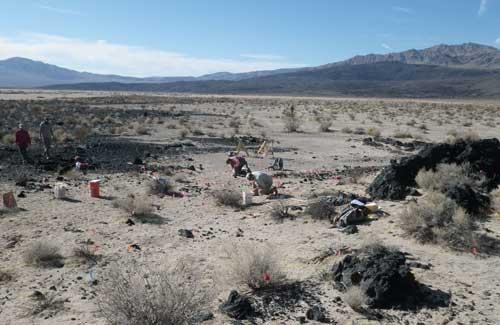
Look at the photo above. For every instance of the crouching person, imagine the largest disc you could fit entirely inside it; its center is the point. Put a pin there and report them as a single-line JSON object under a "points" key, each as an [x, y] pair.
{"points": [[262, 183], [237, 164]]}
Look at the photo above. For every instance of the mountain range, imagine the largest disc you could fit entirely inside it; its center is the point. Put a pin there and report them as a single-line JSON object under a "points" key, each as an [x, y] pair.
{"points": [[466, 70]]}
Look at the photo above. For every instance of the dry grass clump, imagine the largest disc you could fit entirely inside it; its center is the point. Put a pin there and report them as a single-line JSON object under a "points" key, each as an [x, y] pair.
{"points": [[346, 130], [159, 187], [400, 134], [280, 212], [453, 136], [321, 209], [138, 295], [86, 254], [437, 219], [444, 176], [136, 206], [374, 132], [291, 119], [43, 254], [325, 124], [80, 134], [228, 197], [255, 267], [355, 297], [41, 303]]}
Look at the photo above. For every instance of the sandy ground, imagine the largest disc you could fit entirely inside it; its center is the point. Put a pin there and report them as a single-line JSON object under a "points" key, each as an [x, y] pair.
{"points": [[472, 281]]}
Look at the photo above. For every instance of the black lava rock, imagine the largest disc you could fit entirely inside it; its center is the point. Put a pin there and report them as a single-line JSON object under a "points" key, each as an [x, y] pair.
{"points": [[316, 313], [382, 274], [468, 198], [237, 306], [186, 233], [396, 180]]}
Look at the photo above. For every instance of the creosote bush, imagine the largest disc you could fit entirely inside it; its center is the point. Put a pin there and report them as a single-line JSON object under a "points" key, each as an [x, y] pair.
{"points": [[136, 295], [136, 206], [255, 267], [437, 219], [6, 276], [228, 197], [292, 121], [280, 212], [444, 176], [355, 297], [43, 254]]}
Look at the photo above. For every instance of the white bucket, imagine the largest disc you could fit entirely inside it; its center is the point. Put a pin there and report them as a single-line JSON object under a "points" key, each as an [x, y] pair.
{"points": [[60, 191], [246, 198]]}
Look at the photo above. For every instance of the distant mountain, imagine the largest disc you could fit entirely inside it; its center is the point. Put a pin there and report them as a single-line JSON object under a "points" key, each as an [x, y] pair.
{"points": [[470, 55], [467, 70], [381, 79]]}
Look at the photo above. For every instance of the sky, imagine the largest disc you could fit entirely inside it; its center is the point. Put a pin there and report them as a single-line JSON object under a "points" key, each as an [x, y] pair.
{"points": [[196, 37]]}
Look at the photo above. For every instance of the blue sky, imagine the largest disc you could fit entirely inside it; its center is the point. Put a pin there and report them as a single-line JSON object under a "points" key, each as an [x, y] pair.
{"points": [[188, 37]]}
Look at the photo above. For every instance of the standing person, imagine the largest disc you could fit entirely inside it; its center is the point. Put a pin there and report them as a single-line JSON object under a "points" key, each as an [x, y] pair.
{"points": [[23, 141], [46, 136], [237, 164], [262, 183]]}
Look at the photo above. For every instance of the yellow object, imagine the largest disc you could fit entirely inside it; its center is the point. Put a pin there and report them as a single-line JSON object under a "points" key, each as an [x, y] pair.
{"points": [[264, 149], [372, 207]]}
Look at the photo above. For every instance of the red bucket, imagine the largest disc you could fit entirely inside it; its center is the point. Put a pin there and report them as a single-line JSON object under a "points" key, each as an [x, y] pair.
{"points": [[94, 188]]}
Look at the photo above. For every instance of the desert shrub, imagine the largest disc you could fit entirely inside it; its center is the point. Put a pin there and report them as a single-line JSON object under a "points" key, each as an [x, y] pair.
{"points": [[159, 187], [136, 206], [346, 130], [292, 121], [325, 124], [400, 134], [6, 276], [228, 197], [62, 136], [321, 208], [85, 253], [467, 136], [50, 302], [8, 139], [255, 267], [444, 176], [235, 123], [373, 132], [355, 297], [437, 219], [43, 254], [138, 295], [495, 199], [280, 212], [183, 133], [140, 129], [80, 134]]}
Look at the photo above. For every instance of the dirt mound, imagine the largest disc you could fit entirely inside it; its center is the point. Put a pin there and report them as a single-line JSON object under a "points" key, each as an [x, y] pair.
{"points": [[385, 277], [396, 180]]}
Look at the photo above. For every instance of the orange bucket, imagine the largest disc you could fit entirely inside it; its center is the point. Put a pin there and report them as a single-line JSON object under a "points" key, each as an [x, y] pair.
{"points": [[94, 188]]}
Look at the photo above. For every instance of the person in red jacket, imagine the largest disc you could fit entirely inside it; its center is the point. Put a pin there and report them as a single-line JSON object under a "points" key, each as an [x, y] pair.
{"points": [[23, 141], [237, 164]]}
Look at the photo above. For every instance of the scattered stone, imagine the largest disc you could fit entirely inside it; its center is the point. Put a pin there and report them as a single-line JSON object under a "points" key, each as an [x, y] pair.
{"points": [[203, 317], [316, 313], [186, 233], [237, 306], [350, 230], [130, 222], [21, 194]]}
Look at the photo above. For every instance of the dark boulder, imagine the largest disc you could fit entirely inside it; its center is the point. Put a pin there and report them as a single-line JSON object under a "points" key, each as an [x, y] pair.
{"points": [[468, 198], [382, 274], [316, 313], [395, 181], [237, 306]]}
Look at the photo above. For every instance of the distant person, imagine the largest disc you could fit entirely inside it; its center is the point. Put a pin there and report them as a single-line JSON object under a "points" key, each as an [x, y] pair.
{"points": [[237, 164], [23, 141], [262, 183], [46, 136]]}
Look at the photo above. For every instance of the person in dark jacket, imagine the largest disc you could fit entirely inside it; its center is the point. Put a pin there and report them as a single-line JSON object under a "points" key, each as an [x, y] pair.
{"points": [[237, 164], [23, 141]]}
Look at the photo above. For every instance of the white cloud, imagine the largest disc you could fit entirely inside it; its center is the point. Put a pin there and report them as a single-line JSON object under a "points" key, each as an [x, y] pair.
{"points": [[61, 10], [385, 46], [267, 57], [404, 10], [498, 41], [101, 56], [483, 6]]}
